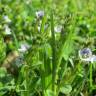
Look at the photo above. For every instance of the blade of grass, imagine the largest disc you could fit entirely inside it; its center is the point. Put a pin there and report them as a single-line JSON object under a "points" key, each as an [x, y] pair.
{"points": [[53, 55], [91, 85]]}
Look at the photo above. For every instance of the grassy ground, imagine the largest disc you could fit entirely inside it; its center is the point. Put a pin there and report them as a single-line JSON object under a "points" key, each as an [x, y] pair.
{"points": [[47, 48]]}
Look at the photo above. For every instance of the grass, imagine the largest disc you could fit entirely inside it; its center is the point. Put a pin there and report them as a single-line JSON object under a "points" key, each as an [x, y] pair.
{"points": [[50, 66]]}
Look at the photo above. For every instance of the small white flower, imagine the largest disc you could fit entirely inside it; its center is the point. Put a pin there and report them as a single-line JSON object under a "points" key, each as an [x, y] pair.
{"points": [[58, 29], [7, 30], [86, 55], [23, 48], [6, 18], [40, 14]]}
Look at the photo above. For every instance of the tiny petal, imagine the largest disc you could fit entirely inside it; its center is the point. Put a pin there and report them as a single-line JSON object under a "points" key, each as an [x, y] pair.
{"points": [[93, 58], [86, 59]]}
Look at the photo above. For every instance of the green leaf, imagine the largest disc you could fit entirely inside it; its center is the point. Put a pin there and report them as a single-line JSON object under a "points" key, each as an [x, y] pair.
{"points": [[1, 85], [3, 72], [66, 89], [49, 93]]}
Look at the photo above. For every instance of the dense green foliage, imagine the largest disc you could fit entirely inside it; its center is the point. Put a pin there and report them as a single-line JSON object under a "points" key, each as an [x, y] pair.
{"points": [[51, 65]]}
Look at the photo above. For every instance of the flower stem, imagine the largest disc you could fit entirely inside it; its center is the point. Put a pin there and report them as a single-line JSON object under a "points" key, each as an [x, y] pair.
{"points": [[91, 85], [53, 56]]}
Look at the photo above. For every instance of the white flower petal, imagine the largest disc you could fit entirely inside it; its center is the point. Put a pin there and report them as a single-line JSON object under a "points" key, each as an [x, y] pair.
{"points": [[93, 58]]}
